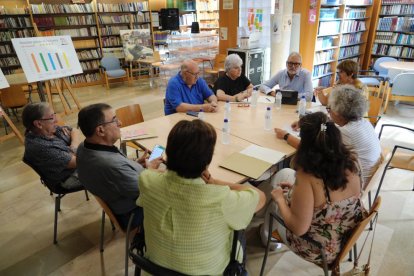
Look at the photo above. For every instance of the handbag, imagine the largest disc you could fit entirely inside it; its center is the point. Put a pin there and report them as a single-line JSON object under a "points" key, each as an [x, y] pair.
{"points": [[235, 268], [363, 270]]}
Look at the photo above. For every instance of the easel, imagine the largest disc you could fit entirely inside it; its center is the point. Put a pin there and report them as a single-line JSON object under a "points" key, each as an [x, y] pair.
{"points": [[60, 85], [15, 132]]}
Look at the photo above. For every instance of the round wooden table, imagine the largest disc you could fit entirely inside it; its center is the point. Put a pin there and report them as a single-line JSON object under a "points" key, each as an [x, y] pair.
{"points": [[397, 67]]}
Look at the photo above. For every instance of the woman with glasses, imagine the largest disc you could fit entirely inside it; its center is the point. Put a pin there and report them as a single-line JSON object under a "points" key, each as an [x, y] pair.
{"points": [[346, 107], [189, 216], [233, 86], [347, 74], [49, 147], [322, 202]]}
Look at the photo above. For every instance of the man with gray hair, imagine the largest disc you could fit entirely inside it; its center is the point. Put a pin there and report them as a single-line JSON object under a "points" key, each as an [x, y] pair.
{"points": [[50, 149], [233, 86], [294, 77], [187, 92]]}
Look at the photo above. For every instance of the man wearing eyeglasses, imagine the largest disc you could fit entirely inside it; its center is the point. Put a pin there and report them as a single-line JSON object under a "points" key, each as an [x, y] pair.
{"points": [[104, 170], [50, 148], [294, 77], [187, 92]]}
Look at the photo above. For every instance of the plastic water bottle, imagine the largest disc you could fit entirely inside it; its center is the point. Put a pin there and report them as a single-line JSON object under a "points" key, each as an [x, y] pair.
{"points": [[201, 114], [255, 96], [268, 119], [226, 132], [227, 110], [278, 100], [302, 106]]}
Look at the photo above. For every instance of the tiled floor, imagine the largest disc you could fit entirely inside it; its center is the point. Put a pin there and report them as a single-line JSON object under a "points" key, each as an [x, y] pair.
{"points": [[26, 212]]}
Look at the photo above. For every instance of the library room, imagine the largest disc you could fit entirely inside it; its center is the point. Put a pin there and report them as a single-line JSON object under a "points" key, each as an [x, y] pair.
{"points": [[279, 136]]}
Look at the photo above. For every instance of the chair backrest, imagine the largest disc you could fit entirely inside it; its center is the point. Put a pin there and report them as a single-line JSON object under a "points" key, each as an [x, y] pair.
{"points": [[378, 68], [130, 114], [219, 61], [110, 63], [356, 232], [403, 84], [375, 102], [109, 212], [376, 178], [13, 96]]}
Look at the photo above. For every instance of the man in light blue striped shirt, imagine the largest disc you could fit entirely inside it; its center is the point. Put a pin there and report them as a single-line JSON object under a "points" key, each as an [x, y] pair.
{"points": [[294, 77]]}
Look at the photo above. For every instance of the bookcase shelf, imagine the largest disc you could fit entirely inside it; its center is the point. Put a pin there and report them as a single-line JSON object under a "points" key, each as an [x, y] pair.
{"points": [[394, 31], [340, 31]]}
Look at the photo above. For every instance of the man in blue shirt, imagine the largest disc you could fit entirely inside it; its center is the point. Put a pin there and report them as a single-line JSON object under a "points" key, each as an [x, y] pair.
{"points": [[294, 77], [187, 92]]}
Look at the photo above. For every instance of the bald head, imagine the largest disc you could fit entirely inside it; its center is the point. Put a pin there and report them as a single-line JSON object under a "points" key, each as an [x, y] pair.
{"points": [[189, 72], [189, 65]]}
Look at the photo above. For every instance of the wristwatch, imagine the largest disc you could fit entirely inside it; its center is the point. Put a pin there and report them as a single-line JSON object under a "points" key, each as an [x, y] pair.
{"points": [[286, 136]]}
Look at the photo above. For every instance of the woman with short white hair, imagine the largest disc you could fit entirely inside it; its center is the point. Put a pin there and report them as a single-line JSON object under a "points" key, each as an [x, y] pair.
{"points": [[233, 86]]}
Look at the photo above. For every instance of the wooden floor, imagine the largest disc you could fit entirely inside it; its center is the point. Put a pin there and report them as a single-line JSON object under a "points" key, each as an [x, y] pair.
{"points": [[26, 212]]}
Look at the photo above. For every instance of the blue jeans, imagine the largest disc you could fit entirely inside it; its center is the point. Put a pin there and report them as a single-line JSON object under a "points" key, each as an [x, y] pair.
{"points": [[123, 219]]}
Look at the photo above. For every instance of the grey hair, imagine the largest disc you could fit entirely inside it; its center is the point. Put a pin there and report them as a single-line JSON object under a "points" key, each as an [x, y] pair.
{"points": [[232, 61], [33, 112], [348, 101], [295, 54]]}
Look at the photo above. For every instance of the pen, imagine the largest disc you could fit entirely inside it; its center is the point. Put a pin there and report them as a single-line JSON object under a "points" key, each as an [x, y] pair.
{"points": [[268, 99]]}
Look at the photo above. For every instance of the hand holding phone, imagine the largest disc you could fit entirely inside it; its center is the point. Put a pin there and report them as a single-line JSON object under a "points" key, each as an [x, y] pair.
{"points": [[157, 151]]}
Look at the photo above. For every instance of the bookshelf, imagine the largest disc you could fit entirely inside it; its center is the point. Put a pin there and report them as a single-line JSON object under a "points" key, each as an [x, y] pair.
{"points": [[208, 14], [15, 22], [394, 31], [340, 32], [78, 21]]}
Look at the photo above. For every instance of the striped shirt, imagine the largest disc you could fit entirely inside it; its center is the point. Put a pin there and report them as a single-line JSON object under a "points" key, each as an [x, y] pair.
{"points": [[360, 136], [188, 224]]}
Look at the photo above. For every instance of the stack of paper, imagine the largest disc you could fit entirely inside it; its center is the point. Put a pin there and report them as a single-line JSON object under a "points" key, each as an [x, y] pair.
{"points": [[136, 134], [253, 161]]}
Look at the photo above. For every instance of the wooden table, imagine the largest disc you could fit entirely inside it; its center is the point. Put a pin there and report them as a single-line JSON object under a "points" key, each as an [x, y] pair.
{"points": [[162, 126], [397, 67]]}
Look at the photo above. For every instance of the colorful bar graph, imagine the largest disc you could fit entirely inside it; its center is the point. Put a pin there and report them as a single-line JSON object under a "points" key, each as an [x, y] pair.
{"points": [[35, 63], [43, 61], [66, 59], [51, 61], [58, 59]]}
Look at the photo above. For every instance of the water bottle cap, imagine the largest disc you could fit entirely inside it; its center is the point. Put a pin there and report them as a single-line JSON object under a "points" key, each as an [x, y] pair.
{"points": [[303, 96], [201, 110], [268, 108], [226, 120], [227, 101]]}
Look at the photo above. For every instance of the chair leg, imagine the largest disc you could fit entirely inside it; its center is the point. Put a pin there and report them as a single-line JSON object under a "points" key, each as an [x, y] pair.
{"points": [[102, 230], [267, 246], [107, 82], [350, 256], [87, 196], [369, 205], [57, 209]]}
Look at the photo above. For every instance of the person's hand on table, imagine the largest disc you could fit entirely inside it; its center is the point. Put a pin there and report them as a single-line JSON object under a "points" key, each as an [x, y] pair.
{"points": [[280, 133], [272, 93], [295, 126], [249, 92], [206, 176], [210, 107]]}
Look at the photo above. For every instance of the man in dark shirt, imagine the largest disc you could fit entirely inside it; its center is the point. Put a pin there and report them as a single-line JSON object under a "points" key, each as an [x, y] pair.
{"points": [[50, 148]]}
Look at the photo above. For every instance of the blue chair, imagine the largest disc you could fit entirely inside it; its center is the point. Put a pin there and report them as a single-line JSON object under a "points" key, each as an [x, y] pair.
{"points": [[112, 69], [380, 73], [401, 90]]}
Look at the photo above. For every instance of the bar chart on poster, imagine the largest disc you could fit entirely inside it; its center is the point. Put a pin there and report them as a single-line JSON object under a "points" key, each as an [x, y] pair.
{"points": [[3, 81], [46, 58]]}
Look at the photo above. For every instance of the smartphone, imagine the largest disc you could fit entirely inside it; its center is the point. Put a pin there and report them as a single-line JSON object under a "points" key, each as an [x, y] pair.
{"points": [[157, 151], [192, 113]]}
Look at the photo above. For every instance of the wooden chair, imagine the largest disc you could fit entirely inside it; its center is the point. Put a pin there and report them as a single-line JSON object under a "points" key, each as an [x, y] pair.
{"points": [[349, 244], [218, 65], [115, 224], [401, 89], [13, 97], [57, 190], [112, 69], [376, 99], [130, 115]]}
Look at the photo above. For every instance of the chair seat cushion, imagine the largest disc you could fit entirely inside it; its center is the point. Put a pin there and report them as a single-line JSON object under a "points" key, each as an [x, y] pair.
{"points": [[116, 73], [370, 81]]}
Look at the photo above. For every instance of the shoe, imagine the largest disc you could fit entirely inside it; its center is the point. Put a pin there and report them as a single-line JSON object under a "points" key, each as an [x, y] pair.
{"points": [[273, 243]]}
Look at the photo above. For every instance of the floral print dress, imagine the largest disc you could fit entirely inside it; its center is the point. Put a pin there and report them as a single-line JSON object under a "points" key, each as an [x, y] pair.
{"points": [[330, 226]]}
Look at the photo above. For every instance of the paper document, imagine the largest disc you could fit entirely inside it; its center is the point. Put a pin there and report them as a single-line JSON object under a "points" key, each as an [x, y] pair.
{"points": [[252, 161], [263, 99], [136, 134]]}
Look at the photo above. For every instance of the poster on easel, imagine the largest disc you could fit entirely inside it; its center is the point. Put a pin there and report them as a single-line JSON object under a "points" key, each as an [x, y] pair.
{"points": [[3, 80], [137, 44], [47, 58]]}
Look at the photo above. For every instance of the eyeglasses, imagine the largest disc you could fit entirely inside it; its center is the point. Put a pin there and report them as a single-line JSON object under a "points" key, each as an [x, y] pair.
{"points": [[114, 120], [296, 64], [328, 108], [52, 117], [193, 74]]}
